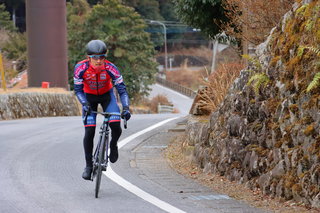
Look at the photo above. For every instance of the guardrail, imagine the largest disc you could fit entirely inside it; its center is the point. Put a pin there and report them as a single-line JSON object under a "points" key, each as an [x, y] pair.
{"points": [[165, 109], [177, 87]]}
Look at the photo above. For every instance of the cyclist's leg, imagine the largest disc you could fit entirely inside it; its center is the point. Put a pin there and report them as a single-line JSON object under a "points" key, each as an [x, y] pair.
{"points": [[89, 135], [115, 127]]}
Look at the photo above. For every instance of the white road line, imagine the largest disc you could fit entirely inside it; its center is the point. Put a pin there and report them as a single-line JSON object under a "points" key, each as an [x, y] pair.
{"points": [[140, 193], [177, 93], [130, 138], [132, 188]]}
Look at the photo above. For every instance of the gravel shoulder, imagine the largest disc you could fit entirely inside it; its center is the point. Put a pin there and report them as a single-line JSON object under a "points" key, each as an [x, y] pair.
{"points": [[183, 164]]}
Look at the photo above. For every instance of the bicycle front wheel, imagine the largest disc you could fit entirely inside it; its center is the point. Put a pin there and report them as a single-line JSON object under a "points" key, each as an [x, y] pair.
{"points": [[100, 162]]}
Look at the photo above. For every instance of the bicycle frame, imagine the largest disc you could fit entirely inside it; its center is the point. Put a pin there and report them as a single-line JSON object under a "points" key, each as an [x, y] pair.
{"points": [[104, 129], [100, 157]]}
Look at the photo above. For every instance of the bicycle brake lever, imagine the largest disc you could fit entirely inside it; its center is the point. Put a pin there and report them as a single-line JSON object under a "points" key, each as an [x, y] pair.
{"points": [[125, 123], [85, 118]]}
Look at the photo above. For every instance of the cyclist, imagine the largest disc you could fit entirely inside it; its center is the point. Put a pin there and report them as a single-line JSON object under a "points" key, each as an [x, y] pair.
{"points": [[93, 84]]}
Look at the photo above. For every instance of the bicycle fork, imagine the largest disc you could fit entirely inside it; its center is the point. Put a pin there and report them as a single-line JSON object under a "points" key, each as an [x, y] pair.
{"points": [[96, 154], [104, 165], [96, 159], [105, 128]]}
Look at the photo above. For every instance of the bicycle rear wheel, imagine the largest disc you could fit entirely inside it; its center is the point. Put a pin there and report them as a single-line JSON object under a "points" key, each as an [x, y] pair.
{"points": [[100, 162]]}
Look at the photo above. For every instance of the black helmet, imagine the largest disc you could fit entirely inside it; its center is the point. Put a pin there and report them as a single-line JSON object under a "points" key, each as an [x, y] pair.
{"points": [[96, 47]]}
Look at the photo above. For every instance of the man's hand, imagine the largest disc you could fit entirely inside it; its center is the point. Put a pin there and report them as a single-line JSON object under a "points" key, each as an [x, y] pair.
{"points": [[87, 108], [126, 113]]}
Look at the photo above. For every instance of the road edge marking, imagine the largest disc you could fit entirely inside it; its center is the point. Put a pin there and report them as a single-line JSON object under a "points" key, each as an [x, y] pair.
{"points": [[134, 189]]}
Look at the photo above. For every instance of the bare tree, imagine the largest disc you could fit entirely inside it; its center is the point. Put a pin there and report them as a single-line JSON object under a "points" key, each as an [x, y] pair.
{"points": [[252, 20]]}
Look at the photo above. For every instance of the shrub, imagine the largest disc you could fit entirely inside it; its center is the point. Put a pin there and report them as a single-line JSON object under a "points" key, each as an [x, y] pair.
{"points": [[218, 84], [153, 104]]}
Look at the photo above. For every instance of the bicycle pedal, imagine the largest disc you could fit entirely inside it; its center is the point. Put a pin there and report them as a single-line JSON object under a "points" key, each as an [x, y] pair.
{"points": [[94, 172]]}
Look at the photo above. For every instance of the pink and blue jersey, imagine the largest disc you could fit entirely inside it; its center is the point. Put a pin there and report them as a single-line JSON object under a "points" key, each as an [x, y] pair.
{"points": [[97, 87], [87, 80]]}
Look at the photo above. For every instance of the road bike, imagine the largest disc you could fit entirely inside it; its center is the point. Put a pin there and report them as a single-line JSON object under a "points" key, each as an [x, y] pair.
{"points": [[101, 157]]}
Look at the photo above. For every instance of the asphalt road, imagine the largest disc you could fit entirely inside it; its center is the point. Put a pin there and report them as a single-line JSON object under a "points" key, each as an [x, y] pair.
{"points": [[42, 161], [180, 101]]}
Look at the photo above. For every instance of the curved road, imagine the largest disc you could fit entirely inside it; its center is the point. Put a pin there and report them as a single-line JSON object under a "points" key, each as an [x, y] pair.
{"points": [[180, 101], [42, 161]]}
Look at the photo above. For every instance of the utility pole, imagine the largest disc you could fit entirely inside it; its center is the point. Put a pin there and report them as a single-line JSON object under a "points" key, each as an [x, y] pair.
{"points": [[215, 49], [14, 16], [165, 42]]}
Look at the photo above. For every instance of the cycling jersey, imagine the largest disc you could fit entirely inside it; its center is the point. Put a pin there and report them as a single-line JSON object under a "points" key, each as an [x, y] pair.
{"points": [[108, 102], [89, 81]]}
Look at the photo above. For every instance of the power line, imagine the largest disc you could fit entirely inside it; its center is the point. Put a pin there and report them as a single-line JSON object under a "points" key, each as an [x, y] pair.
{"points": [[168, 23], [181, 25], [172, 27], [185, 29], [178, 25], [153, 31], [181, 41], [163, 21]]}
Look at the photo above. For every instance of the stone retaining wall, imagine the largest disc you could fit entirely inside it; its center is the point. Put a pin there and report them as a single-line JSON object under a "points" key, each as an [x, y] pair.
{"points": [[41, 104], [266, 135], [37, 104]]}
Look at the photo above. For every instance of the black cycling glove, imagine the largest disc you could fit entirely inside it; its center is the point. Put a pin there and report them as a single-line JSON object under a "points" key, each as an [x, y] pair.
{"points": [[126, 113], [87, 108]]}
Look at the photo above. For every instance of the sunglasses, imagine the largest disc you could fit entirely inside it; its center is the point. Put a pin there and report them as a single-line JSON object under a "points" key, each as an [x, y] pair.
{"points": [[96, 57]]}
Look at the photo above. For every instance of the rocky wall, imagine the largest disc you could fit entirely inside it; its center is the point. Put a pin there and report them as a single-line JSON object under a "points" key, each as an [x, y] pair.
{"points": [[269, 138], [37, 104]]}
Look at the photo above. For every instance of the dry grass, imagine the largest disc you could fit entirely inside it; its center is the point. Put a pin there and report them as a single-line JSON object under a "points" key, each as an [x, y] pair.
{"points": [[218, 85], [147, 104], [35, 89], [187, 77], [155, 101]]}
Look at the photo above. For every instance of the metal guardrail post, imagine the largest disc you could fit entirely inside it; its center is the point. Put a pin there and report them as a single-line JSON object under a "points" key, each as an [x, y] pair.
{"points": [[165, 109], [177, 87]]}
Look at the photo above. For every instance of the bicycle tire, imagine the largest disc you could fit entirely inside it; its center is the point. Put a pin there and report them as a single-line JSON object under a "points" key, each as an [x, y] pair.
{"points": [[101, 159]]}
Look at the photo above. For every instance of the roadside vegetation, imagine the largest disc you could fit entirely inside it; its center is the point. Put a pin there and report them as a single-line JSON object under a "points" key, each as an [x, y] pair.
{"points": [[12, 45], [152, 104], [217, 85], [122, 26], [187, 77], [129, 46]]}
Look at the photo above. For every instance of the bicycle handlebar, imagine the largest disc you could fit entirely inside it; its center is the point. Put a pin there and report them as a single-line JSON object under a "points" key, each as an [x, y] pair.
{"points": [[108, 114]]}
